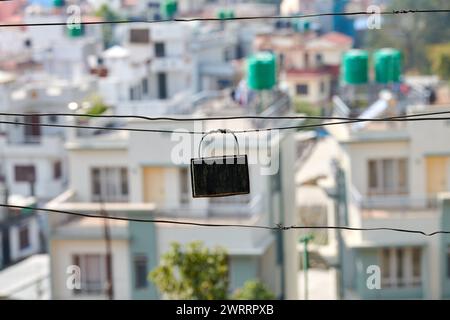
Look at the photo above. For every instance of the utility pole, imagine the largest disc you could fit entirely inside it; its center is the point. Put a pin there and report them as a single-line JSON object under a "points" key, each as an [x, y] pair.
{"points": [[109, 268], [305, 240], [32, 181], [340, 198], [4, 195]]}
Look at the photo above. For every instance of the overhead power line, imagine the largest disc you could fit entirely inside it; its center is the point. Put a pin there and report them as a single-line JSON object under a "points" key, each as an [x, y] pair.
{"points": [[413, 117], [278, 227], [190, 119], [305, 16]]}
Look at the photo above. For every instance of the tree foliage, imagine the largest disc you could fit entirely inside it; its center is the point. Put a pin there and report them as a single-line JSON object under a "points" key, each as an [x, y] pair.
{"points": [[253, 290], [108, 29], [308, 109], [412, 33], [193, 273], [439, 56]]}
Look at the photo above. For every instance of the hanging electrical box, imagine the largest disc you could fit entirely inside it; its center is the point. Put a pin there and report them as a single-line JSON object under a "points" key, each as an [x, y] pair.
{"points": [[219, 176]]}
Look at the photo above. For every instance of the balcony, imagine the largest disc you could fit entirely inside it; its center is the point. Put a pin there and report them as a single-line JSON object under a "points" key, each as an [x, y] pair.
{"points": [[170, 64], [392, 206], [26, 146], [227, 208]]}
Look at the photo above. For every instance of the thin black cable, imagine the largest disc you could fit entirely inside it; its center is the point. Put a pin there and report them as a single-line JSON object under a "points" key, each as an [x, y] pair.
{"points": [[113, 116], [354, 120], [314, 15], [278, 227]]}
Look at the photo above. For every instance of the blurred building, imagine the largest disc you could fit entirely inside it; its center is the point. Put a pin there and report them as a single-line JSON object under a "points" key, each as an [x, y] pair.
{"points": [[33, 157], [396, 174], [142, 175], [21, 233], [373, 174], [27, 280], [309, 64], [158, 63]]}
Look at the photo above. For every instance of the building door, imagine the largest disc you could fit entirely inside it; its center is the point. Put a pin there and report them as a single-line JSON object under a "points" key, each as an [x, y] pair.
{"points": [[33, 131], [437, 168], [162, 85], [153, 185]]}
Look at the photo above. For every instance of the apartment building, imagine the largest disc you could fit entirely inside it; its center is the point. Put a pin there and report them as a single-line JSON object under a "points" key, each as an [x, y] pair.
{"points": [[146, 175], [33, 157], [20, 230], [397, 177], [308, 63], [162, 64]]}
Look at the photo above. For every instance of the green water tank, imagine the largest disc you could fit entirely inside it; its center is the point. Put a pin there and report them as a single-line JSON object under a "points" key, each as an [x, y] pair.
{"points": [[75, 32], [355, 67], [388, 65], [262, 73], [225, 14], [59, 3], [169, 8], [301, 25]]}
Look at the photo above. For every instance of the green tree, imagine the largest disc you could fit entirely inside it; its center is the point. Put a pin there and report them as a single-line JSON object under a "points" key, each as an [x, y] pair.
{"points": [[97, 106], [253, 290], [439, 56], [307, 109], [108, 29], [192, 273], [412, 33]]}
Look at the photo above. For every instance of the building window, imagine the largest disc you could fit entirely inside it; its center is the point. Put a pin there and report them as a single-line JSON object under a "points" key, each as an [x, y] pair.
{"points": [[93, 273], [302, 89], [160, 49], [319, 59], [135, 93], [184, 185], [25, 173], [109, 184], [387, 176], [162, 85], [140, 271], [416, 265], [322, 87], [57, 170], [448, 261], [53, 118], [32, 132], [139, 36], [145, 86], [24, 237], [401, 267]]}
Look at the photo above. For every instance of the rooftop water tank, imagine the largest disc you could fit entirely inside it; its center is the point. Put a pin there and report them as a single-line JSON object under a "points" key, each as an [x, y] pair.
{"points": [[355, 67], [169, 8], [261, 71], [225, 14], [75, 31], [388, 65], [301, 25], [58, 3]]}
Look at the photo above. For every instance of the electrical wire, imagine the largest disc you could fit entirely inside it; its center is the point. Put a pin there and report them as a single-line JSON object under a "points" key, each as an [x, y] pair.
{"points": [[414, 117], [278, 227], [255, 117], [314, 15]]}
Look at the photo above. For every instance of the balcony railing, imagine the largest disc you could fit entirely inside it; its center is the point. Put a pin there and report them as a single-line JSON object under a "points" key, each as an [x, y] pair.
{"points": [[230, 209], [403, 202], [46, 144], [167, 64]]}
